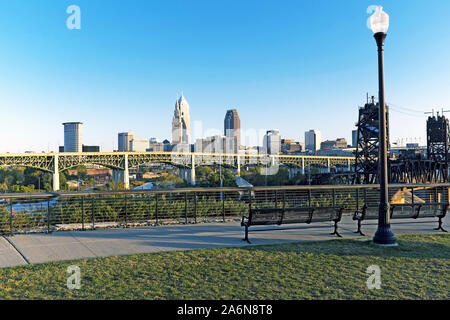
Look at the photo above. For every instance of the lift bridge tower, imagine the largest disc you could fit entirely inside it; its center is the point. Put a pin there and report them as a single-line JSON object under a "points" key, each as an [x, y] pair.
{"points": [[438, 144], [366, 162]]}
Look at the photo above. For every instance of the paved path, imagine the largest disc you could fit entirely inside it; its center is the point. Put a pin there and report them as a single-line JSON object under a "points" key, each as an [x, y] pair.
{"points": [[68, 245]]}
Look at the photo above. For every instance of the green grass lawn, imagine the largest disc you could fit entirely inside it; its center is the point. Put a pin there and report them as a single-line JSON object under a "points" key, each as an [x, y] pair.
{"points": [[417, 269]]}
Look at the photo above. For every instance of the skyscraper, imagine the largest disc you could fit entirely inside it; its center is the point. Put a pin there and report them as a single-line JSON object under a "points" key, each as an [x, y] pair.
{"points": [[124, 141], [181, 125], [272, 142], [313, 138], [232, 130], [73, 137]]}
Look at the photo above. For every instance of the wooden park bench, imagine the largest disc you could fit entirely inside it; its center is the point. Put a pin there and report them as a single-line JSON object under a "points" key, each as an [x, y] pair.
{"points": [[404, 211], [295, 215]]}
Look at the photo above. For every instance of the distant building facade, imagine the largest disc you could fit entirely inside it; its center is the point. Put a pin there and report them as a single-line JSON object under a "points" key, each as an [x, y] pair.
{"points": [[214, 144], [73, 136], [181, 125], [124, 139], [354, 138], [90, 148], [139, 145], [313, 138], [339, 143], [289, 146], [272, 142], [232, 130]]}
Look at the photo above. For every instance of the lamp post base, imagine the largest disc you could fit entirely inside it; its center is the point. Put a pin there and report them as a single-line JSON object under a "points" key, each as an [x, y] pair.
{"points": [[385, 237]]}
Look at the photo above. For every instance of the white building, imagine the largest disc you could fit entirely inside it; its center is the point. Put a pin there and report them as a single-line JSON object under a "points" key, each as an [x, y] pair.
{"points": [[181, 125], [272, 142], [139, 145], [73, 137], [313, 139]]}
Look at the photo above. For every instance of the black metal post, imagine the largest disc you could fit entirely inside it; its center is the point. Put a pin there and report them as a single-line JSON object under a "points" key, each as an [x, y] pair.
{"points": [[82, 213], [156, 208], [93, 213], [11, 215], [126, 211], [48, 216], [185, 208], [223, 207], [384, 234], [195, 207]]}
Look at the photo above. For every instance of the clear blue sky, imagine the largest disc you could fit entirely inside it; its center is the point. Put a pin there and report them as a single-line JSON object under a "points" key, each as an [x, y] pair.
{"points": [[291, 65]]}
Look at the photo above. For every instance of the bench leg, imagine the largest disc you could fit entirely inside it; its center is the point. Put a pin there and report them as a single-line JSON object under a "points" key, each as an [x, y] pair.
{"points": [[335, 232], [440, 226], [246, 235], [359, 229]]}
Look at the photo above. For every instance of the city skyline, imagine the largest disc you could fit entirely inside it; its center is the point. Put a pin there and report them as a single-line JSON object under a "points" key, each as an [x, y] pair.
{"points": [[273, 65]]}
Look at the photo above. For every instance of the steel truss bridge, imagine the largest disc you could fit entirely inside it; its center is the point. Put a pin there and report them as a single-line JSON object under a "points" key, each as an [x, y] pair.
{"points": [[121, 162]]}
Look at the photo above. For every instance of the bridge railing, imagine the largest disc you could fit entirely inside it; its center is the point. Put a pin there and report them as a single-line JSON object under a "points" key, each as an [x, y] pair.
{"points": [[46, 212]]}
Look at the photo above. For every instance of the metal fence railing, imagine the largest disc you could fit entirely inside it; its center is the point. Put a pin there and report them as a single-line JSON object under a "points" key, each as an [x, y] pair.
{"points": [[46, 212]]}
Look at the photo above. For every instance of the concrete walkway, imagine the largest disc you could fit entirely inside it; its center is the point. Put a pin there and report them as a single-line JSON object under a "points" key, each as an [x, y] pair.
{"points": [[68, 245]]}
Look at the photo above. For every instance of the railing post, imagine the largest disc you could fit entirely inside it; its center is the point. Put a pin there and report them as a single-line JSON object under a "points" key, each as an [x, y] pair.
{"points": [[249, 200], [185, 208], [149, 206], [48, 216], [126, 211], [156, 208], [276, 199], [435, 195], [223, 207], [357, 199], [93, 212], [11, 215], [82, 213], [195, 207], [334, 197]]}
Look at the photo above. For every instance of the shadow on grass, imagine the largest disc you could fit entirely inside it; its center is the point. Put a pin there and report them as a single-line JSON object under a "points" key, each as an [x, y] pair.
{"points": [[410, 246]]}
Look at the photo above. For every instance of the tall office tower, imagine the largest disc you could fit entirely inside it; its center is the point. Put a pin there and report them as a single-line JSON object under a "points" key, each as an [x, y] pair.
{"points": [[124, 141], [181, 125], [354, 138], [272, 142], [313, 138], [73, 137], [232, 130]]}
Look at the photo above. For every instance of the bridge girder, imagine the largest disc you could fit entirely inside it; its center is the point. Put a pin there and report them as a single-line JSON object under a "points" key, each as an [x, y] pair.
{"points": [[116, 160]]}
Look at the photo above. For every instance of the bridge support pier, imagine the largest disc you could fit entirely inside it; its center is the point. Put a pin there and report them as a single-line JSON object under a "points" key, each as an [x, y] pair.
{"points": [[328, 166], [238, 171], [56, 174], [192, 171], [122, 175]]}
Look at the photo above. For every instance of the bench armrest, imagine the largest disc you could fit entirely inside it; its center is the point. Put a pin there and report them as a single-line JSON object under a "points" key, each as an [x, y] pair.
{"points": [[243, 220]]}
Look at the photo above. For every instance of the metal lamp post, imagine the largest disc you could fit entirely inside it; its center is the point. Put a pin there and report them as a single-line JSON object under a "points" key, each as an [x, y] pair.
{"points": [[379, 23]]}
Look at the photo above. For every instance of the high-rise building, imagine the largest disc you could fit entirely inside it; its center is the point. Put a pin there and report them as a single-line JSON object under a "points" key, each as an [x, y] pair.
{"points": [[272, 142], [73, 137], [214, 144], [139, 145], [232, 130], [313, 138], [354, 138], [181, 125], [339, 143], [90, 148], [124, 141]]}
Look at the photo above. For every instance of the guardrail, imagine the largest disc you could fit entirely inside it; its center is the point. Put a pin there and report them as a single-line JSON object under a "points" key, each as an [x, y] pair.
{"points": [[47, 212]]}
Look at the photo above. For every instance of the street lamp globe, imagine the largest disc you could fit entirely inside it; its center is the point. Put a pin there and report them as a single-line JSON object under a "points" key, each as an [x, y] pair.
{"points": [[379, 21]]}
